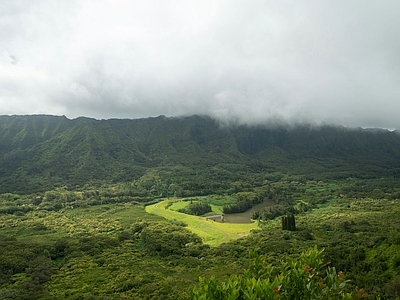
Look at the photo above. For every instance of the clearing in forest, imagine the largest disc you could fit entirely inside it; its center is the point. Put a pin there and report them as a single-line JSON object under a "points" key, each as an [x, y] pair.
{"points": [[212, 232]]}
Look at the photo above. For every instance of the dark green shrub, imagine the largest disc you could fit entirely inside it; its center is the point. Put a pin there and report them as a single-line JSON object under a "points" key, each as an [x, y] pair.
{"points": [[196, 208], [305, 278], [239, 207]]}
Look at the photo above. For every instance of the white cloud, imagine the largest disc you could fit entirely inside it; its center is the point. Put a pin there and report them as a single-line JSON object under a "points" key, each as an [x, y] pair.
{"points": [[250, 61]]}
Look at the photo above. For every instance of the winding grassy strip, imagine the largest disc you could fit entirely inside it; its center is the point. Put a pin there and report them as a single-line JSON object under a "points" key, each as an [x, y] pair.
{"points": [[212, 233]]}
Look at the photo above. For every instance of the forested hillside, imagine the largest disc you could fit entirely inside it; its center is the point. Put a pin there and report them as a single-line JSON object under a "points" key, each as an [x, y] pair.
{"points": [[41, 152], [186, 208]]}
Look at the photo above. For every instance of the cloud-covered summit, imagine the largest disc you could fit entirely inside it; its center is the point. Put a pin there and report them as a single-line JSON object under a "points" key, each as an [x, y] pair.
{"points": [[252, 61]]}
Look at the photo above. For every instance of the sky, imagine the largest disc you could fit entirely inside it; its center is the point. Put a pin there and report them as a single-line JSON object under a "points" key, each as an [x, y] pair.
{"points": [[253, 61]]}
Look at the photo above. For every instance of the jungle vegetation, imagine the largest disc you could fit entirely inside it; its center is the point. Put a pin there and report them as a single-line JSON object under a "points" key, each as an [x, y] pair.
{"points": [[114, 209]]}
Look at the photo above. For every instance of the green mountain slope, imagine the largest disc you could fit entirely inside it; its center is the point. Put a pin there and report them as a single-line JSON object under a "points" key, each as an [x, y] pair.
{"points": [[40, 152]]}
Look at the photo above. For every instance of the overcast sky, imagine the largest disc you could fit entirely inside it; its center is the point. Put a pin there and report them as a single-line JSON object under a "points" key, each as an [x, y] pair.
{"points": [[252, 61]]}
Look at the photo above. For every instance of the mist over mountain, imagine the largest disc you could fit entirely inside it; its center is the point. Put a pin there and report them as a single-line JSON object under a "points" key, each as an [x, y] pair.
{"points": [[38, 152], [255, 61]]}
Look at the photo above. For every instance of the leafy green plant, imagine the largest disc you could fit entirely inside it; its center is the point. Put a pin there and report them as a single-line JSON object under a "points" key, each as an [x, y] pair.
{"points": [[306, 278]]}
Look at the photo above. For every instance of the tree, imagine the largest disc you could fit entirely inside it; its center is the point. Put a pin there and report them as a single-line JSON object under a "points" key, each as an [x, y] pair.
{"points": [[288, 223]]}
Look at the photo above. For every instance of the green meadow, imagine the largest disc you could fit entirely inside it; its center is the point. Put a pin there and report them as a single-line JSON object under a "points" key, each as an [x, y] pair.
{"points": [[211, 232]]}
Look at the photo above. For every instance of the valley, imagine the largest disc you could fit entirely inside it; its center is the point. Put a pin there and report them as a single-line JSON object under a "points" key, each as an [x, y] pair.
{"points": [[106, 209]]}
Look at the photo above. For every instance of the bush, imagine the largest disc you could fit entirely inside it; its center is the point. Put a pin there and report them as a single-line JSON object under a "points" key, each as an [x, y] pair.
{"points": [[306, 235], [305, 278], [166, 239], [178, 223], [392, 288], [273, 212], [239, 207], [196, 208]]}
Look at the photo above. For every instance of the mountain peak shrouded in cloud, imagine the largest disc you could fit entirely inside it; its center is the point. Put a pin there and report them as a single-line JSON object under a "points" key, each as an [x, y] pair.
{"points": [[253, 62]]}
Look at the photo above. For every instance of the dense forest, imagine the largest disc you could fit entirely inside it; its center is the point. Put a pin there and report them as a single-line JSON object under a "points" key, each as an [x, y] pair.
{"points": [[153, 208], [196, 153]]}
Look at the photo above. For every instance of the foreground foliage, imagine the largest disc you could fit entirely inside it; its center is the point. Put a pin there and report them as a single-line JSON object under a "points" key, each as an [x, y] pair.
{"points": [[305, 278]]}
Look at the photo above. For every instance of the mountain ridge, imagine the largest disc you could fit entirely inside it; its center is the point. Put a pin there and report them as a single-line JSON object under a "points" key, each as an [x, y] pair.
{"points": [[38, 152]]}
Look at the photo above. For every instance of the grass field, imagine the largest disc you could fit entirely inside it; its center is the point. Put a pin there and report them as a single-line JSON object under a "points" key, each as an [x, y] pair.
{"points": [[212, 233], [177, 205]]}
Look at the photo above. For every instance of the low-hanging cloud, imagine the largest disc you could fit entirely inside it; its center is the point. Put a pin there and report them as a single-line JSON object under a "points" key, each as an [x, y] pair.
{"points": [[249, 61]]}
